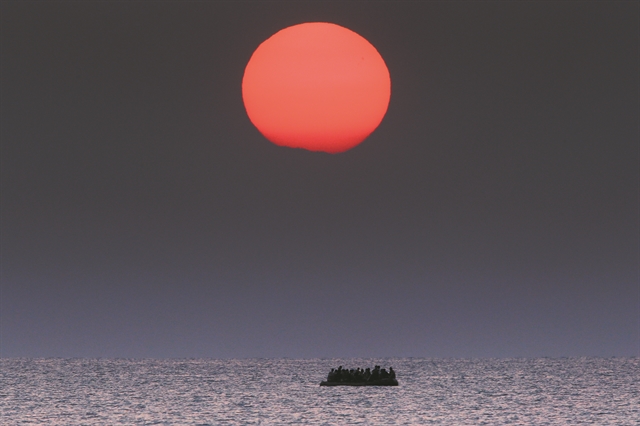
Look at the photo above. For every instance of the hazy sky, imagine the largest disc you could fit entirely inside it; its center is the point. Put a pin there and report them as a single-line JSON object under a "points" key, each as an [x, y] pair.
{"points": [[494, 212]]}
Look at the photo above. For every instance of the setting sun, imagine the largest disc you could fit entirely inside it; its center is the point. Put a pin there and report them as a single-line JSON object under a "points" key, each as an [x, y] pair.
{"points": [[317, 86]]}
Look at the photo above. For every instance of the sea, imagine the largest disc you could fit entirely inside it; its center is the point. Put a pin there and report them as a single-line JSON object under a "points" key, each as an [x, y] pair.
{"points": [[537, 391]]}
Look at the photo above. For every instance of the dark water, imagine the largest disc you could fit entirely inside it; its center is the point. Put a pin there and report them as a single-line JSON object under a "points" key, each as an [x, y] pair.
{"points": [[594, 391]]}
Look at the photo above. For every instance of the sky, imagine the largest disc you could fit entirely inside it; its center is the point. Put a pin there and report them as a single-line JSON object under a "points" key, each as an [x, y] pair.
{"points": [[493, 213]]}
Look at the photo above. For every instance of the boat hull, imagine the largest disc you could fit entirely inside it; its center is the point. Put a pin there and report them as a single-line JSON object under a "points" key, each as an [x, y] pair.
{"points": [[381, 382]]}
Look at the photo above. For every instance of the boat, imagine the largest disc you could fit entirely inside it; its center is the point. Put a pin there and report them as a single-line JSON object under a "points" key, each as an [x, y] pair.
{"points": [[379, 382]]}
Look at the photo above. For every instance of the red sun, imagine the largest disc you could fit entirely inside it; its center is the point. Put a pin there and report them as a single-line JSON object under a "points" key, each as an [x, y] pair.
{"points": [[316, 86]]}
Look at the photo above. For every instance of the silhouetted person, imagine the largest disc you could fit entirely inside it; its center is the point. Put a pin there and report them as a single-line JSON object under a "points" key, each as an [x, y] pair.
{"points": [[384, 374], [358, 375], [367, 374], [331, 376], [392, 374], [375, 374]]}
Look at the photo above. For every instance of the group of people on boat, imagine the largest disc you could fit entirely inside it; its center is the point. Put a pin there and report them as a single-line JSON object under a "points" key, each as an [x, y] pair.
{"points": [[359, 375]]}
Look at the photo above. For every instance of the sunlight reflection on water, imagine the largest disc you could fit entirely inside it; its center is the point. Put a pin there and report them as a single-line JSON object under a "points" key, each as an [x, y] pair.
{"points": [[540, 391]]}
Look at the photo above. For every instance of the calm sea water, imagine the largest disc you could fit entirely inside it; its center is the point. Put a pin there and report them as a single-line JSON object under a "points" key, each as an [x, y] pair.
{"points": [[594, 391]]}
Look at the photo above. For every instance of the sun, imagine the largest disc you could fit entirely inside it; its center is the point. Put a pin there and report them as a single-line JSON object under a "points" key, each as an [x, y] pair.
{"points": [[317, 86]]}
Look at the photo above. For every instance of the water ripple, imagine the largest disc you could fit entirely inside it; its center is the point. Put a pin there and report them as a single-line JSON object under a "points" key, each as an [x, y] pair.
{"points": [[603, 391]]}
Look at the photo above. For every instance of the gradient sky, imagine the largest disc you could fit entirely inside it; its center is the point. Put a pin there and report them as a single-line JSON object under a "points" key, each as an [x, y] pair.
{"points": [[494, 212]]}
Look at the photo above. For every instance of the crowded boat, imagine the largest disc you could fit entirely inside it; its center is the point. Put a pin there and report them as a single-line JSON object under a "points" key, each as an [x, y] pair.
{"points": [[361, 377]]}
